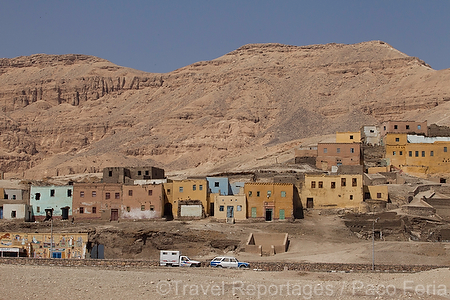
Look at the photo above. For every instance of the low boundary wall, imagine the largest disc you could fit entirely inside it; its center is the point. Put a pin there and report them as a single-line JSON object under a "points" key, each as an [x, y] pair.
{"points": [[260, 266]]}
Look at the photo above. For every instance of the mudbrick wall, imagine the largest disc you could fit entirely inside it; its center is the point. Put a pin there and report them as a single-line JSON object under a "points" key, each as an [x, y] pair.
{"points": [[260, 266]]}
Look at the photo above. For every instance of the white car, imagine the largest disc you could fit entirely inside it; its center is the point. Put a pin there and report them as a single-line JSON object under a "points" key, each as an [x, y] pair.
{"points": [[228, 262]]}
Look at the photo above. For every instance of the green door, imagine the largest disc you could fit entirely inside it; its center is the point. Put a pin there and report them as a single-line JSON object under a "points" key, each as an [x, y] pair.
{"points": [[253, 212], [281, 214]]}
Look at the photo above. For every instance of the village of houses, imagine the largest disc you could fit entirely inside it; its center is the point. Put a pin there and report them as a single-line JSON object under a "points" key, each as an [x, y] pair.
{"points": [[343, 178]]}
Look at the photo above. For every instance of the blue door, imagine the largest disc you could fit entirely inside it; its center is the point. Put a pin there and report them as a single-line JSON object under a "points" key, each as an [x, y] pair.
{"points": [[56, 255], [1, 212]]}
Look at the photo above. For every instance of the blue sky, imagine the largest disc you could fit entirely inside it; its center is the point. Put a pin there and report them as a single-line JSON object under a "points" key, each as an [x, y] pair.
{"points": [[161, 36]]}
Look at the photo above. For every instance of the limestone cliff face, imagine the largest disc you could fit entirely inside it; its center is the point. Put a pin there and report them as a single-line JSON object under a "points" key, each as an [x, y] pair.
{"points": [[76, 113]]}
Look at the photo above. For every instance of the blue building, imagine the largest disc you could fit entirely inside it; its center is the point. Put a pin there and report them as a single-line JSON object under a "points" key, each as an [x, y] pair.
{"points": [[236, 187], [51, 201], [219, 185]]}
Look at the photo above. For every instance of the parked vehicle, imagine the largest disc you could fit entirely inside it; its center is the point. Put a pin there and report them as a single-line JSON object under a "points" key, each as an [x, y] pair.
{"points": [[175, 259], [228, 262]]}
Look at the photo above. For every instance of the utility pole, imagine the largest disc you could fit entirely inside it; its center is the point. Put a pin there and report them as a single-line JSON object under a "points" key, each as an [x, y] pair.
{"points": [[373, 243]]}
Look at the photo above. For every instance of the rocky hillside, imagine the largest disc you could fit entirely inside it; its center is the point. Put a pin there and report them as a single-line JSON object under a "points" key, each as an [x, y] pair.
{"points": [[74, 113]]}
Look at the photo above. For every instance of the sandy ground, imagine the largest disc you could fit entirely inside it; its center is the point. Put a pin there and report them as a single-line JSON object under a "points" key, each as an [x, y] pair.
{"points": [[43, 282]]}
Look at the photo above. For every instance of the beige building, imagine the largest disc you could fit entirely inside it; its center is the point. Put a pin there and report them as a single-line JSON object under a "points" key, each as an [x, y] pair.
{"points": [[270, 201], [232, 206], [332, 191]]}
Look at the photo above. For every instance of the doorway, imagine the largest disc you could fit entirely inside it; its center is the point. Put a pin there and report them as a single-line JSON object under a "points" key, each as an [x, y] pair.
{"points": [[65, 213], [269, 214], [114, 214], [309, 203], [211, 209], [230, 211]]}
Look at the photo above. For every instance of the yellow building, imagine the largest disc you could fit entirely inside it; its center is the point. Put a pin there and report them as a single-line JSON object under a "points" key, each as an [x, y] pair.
{"points": [[233, 206], [348, 137], [270, 201], [376, 192], [418, 155], [187, 198], [332, 191]]}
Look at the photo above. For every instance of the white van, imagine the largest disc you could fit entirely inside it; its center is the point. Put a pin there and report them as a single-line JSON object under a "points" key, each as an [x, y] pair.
{"points": [[171, 258]]}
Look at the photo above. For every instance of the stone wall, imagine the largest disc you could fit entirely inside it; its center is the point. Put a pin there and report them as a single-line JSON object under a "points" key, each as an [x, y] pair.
{"points": [[260, 266]]}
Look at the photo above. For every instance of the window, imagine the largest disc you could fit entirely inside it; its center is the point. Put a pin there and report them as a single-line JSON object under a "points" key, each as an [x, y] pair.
{"points": [[393, 152], [258, 193], [416, 153], [139, 173], [431, 153], [216, 184], [37, 196], [423, 153], [351, 197], [333, 185], [407, 126], [52, 193], [354, 182], [343, 182], [150, 192], [142, 207], [419, 126], [400, 153], [351, 137], [283, 194], [94, 194], [221, 208], [313, 184], [168, 191], [384, 127], [239, 208], [130, 192], [110, 173], [117, 195], [410, 153], [249, 193], [395, 126], [269, 193], [180, 189], [146, 173], [13, 214], [445, 149], [320, 184], [81, 210], [325, 150], [397, 139], [38, 209], [107, 195], [352, 150], [128, 209], [338, 150], [14, 197], [194, 187], [200, 187], [152, 207], [69, 193], [94, 210], [378, 195]]}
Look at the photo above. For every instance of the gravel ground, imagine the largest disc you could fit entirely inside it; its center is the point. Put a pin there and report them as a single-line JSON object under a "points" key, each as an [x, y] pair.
{"points": [[47, 282]]}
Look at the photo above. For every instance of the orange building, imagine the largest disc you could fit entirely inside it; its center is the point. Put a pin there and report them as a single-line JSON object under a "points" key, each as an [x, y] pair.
{"points": [[142, 201], [97, 201], [270, 201]]}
